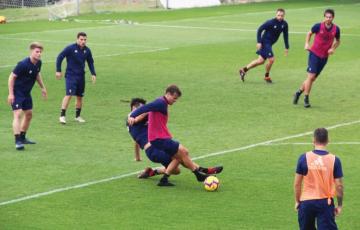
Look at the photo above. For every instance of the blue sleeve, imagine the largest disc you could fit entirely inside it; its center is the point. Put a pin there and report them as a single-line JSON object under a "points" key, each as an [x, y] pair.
{"points": [[316, 28], [19, 69], [338, 173], [286, 36], [260, 30], [90, 62], [60, 58], [155, 106], [337, 35], [301, 167]]}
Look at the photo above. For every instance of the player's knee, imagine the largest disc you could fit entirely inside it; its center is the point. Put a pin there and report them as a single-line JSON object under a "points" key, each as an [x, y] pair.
{"points": [[271, 60], [183, 150], [176, 171]]}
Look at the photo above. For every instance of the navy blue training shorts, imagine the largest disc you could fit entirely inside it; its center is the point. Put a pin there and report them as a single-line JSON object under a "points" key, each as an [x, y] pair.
{"points": [[316, 64], [310, 210], [75, 87], [22, 102], [169, 146], [265, 51], [158, 156]]}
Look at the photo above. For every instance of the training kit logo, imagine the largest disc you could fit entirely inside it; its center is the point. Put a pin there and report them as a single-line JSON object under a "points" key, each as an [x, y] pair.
{"points": [[30, 72], [317, 164], [75, 51]]}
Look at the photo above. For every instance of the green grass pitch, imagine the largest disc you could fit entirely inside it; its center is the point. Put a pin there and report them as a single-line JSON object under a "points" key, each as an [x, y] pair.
{"points": [[201, 50]]}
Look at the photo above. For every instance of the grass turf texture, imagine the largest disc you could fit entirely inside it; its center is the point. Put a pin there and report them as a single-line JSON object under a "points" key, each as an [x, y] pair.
{"points": [[201, 51]]}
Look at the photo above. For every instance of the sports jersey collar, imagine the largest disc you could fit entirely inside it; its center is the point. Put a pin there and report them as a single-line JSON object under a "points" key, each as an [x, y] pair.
{"points": [[320, 152], [330, 28], [167, 102]]}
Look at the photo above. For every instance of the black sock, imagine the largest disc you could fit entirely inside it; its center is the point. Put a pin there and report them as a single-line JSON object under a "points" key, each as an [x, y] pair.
{"points": [[204, 170], [245, 69], [78, 111], [63, 112], [299, 92], [17, 137], [156, 172], [306, 99], [267, 74], [22, 135]]}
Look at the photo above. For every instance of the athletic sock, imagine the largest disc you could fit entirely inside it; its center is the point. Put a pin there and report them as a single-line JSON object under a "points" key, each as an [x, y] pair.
{"points": [[245, 69], [63, 112], [17, 137], [22, 135], [267, 74], [156, 172], [299, 92], [199, 175], [306, 99], [78, 111]]}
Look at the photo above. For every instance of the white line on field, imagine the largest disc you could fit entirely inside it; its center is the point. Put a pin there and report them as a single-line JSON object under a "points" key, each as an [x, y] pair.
{"points": [[222, 29], [37, 195], [106, 55], [89, 43], [309, 143], [220, 16]]}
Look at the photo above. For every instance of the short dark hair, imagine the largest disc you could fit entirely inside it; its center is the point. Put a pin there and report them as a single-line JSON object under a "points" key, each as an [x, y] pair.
{"points": [[81, 34], [136, 102], [281, 10], [329, 11], [321, 136], [173, 89], [35, 45]]}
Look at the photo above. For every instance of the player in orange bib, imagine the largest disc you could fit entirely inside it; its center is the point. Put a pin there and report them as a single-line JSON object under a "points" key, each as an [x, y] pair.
{"points": [[319, 173]]}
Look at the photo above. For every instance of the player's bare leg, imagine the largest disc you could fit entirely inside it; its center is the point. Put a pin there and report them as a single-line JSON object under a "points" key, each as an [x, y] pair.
{"points": [[307, 88], [64, 106], [17, 128], [259, 61], [78, 106], [268, 68], [25, 126]]}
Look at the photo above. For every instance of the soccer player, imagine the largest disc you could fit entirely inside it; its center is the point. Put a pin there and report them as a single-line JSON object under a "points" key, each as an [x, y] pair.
{"points": [[21, 82], [76, 54], [319, 173], [323, 46], [160, 137], [267, 34], [139, 133]]}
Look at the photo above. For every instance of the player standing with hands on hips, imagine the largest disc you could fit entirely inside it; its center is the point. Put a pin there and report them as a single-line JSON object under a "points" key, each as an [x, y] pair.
{"points": [[21, 82], [76, 54]]}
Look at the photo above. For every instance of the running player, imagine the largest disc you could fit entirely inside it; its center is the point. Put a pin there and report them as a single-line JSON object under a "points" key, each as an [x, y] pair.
{"points": [[323, 46], [267, 34]]}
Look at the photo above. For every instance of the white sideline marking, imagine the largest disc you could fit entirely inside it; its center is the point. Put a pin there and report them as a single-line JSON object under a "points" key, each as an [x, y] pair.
{"points": [[309, 143], [105, 55], [222, 29], [89, 43], [37, 195]]}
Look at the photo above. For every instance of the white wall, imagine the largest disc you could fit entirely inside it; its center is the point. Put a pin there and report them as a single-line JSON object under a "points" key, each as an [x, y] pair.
{"points": [[177, 4]]}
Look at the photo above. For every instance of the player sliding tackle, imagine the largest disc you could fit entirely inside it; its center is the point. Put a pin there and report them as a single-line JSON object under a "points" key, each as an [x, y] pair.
{"points": [[161, 139]]}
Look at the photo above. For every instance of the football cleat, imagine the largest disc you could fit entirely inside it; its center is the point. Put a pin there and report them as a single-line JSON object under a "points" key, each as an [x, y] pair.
{"points": [[148, 172], [268, 80], [164, 182], [62, 120], [215, 170], [79, 119], [19, 145], [242, 74], [296, 98], [28, 142]]}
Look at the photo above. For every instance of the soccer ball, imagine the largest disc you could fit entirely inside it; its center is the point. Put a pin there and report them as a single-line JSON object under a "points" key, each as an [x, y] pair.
{"points": [[211, 183], [2, 19]]}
